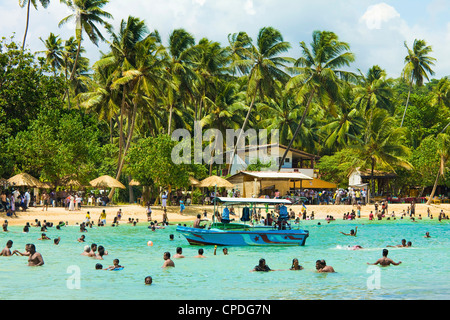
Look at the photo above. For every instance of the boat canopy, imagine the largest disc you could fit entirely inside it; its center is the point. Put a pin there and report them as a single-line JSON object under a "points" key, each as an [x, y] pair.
{"points": [[252, 200]]}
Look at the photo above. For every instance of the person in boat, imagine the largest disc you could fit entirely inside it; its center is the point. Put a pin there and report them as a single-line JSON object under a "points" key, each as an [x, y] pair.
{"points": [[198, 221], [385, 261], [283, 217], [269, 220], [226, 216]]}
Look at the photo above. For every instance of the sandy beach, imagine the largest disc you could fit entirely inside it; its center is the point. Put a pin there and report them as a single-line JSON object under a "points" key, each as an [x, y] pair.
{"points": [[138, 212]]}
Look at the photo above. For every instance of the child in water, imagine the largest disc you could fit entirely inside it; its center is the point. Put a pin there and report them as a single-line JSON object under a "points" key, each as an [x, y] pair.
{"points": [[116, 265]]}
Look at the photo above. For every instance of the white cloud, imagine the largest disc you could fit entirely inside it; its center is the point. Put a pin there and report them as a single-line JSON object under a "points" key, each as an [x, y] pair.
{"points": [[199, 2], [249, 7], [378, 14]]}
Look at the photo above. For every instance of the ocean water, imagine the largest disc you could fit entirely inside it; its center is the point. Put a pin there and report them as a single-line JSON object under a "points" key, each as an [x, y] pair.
{"points": [[424, 273]]}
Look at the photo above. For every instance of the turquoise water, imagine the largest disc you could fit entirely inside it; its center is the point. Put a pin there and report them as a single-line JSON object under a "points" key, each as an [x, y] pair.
{"points": [[424, 273]]}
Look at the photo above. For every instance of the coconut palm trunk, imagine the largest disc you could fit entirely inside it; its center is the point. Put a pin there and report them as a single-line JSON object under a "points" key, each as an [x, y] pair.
{"points": [[297, 130], [433, 191], [26, 26]]}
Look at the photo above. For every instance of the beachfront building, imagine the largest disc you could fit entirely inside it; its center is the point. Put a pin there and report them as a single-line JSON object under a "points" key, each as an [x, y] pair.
{"points": [[361, 179], [295, 161], [266, 183]]}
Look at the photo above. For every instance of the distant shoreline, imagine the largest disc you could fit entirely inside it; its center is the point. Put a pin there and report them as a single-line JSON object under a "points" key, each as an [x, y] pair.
{"points": [[139, 212]]}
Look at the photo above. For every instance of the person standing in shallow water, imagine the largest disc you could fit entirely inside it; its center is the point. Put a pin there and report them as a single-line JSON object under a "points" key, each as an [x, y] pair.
{"points": [[35, 258], [167, 261], [321, 266], [385, 261]]}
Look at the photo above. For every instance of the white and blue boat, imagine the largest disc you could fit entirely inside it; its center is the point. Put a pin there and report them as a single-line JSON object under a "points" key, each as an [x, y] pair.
{"points": [[243, 234]]}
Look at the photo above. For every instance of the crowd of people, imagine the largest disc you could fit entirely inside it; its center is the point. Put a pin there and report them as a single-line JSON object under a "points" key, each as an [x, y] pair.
{"points": [[98, 252]]}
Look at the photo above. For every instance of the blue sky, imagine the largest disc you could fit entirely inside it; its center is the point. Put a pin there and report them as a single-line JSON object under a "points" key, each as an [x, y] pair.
{"points": [[375, 30]]}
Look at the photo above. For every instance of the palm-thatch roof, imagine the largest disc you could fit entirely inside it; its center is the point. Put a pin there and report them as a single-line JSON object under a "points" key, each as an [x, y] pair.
{"points": [[106, 182], [215, 181], [25, 180]]}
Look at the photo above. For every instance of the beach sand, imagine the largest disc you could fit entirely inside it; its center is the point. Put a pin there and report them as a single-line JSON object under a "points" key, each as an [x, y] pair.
{"points": [[139, 212]]}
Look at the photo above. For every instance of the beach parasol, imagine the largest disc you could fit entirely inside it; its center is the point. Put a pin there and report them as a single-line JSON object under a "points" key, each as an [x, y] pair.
{"points": [[193, 181], [24, 180], [134, 183], [215, 181], [106, 182]]}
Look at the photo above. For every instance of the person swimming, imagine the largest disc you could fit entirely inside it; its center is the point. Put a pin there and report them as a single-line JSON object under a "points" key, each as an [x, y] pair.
{"points": [[295, 265], [115, 266], [262, 266], [321, 267], [352, 232]]}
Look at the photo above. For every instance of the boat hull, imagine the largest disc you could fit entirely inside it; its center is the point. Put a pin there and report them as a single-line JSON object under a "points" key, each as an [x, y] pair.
{"points": [[255, 237]]}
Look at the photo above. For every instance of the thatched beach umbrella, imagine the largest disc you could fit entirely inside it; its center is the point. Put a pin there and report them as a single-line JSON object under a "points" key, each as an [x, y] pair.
{"points": [[214, 181], [193, 181], [106, 182], [24, 180], [134, 183]]}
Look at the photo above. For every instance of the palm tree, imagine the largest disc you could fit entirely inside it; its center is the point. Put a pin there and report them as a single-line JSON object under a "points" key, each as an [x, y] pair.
{"points": [[209, 64], [143, 81], [225, 112], [54, 53], [281, 113], [239, 48], [417, 65], [343, 129], [443, 141], [22, 4], [122, 57], [318, 74], [266, 68], [87, 14], [373, 91], [384, 146], [441, 96], [180, 67]]}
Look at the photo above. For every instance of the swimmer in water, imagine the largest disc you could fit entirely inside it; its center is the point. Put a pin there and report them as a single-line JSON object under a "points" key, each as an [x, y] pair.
{"points": [[7, 250], [115, 265], [35, 258], [26, 253], [86, 251], [56, 240], [44, 237], [200, 254], [427, 235], [167, 261], [402, 245], [148, 280], [352, 232], [179, 253], [224, 250], [262, 266], [321, 267], [295, 265], [385, 261]]}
